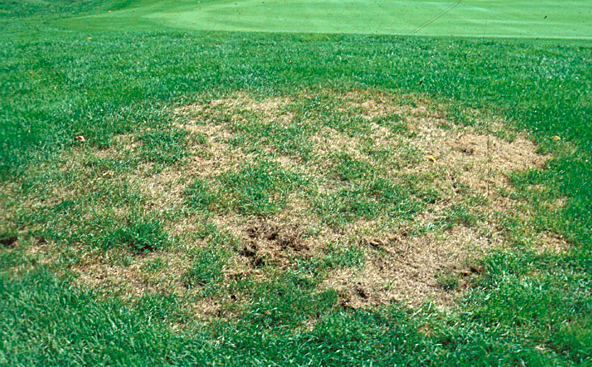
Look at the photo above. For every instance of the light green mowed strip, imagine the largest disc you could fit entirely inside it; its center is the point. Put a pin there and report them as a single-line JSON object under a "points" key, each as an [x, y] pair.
{"points": [[477, 18]]}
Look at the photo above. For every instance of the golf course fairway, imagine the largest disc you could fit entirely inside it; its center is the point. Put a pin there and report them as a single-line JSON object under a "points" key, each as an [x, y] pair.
{"points": [[473, 18]]}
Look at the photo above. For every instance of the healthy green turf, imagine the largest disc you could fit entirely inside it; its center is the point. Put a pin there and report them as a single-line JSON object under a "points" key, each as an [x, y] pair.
{"points": [[476, 18], [526, 308]]}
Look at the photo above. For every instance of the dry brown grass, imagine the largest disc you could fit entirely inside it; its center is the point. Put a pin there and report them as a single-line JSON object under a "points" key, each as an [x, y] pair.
{"points": [[399, 267], [550, 242], [470, 166], [405, 268], [135, 279]]}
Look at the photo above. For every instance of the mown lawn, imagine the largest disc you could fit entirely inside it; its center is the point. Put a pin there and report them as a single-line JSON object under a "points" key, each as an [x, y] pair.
{"points": [[200, 222], [548, 19]]}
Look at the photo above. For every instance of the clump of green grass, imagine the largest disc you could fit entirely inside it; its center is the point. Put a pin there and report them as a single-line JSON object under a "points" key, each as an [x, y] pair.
{"points": [[164, 146], [139, 234], [260, 188], [206, 269], [163, 307], [200, 195], [117, 165], [155, 266], [338, 255], [287, 302], [289, 139], [335, 255], [348, 168], [370, 199], [456, 215]]}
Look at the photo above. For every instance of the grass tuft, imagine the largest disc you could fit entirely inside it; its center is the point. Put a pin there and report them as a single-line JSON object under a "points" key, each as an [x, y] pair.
{"points": [[138, 234], [261, 188]]}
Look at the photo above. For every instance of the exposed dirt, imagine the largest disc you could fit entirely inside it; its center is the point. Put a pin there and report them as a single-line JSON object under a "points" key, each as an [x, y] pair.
{"points": [[266, 242], [8, 241]]}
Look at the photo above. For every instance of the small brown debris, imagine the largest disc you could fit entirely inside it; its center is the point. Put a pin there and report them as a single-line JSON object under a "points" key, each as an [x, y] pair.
{"points": [[8, 241], [249, 250], [80, 138], [467, 150], [477, 269], [259, 261], [361, 291]]}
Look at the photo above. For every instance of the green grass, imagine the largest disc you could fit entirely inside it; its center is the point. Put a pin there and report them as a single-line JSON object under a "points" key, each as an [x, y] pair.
{"points": [[372, 198], [139, 234], [206, 269], [543, 19], [259, 189], [84, 203]]}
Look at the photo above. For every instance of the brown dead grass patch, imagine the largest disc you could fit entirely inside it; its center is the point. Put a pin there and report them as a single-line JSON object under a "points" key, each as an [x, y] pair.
{"points": [[373, 104], [550, 242], [406, 268], [470, 167], [469, 163], [136, 279], [269, 109]]}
